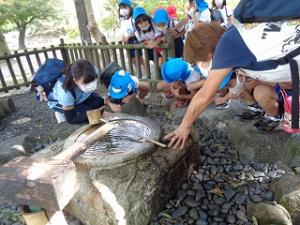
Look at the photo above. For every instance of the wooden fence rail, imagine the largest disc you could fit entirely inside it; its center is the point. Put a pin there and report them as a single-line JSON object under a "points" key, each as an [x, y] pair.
{"points": [[16, 69]]}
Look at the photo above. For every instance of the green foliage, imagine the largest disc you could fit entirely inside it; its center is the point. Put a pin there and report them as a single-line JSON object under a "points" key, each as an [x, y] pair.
{"points": [[15, 14], [111, 21], [72, 32]]}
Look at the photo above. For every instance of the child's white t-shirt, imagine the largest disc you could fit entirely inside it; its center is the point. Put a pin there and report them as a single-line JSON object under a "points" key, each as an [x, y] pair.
{"points": [[127, 27]]}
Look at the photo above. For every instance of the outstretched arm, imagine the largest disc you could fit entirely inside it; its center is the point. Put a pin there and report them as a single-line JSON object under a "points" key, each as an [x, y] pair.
{"points": [[199, 103]]}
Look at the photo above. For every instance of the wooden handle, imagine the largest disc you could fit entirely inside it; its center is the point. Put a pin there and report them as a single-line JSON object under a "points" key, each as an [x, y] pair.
{"points": [[79, 147], [156, 142]]}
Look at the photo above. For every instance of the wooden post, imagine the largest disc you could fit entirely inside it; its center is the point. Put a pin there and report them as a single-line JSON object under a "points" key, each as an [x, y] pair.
{"points": [[171, 45], [114, 53], [80, 50], [3, 83], [129, 61], [11, 70], [147, 63], [75, 52], [97, 56], [108, 58], [91, 53], [21, 67], [29, 61], [156, 64], [64, 52], [122, 58], [85, 53], [138, 61], [53, 52], [45, 53], [71, 53], [37, 57], [103, 59]]}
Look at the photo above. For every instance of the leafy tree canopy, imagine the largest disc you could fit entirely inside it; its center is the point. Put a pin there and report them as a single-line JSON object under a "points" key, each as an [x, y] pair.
{"points": [[17, 13]]}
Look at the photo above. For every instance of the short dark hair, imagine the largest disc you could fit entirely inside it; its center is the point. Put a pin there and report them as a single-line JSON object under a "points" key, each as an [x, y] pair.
{"points": [[79, 69]]}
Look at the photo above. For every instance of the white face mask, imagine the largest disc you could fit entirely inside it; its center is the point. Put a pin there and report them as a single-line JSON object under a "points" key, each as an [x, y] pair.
{"points": [[219, 3], [90, 87], [205, 71], [145, 28], [162, 29], [124, 12]]}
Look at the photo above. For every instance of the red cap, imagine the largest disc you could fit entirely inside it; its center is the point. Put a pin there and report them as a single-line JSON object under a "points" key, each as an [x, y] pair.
{"points": [[172, 12]]}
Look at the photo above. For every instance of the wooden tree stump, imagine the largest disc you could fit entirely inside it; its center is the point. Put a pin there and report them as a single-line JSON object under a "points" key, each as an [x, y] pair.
{"points": [[7, 106]]}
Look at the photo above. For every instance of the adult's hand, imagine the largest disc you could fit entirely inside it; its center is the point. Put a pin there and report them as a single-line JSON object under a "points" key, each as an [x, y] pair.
{"points": [[178, 137]]}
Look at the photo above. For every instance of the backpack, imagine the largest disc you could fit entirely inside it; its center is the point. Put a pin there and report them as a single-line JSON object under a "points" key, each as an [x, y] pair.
{"points": [[108, 72], [47, 75], [262, 11]]}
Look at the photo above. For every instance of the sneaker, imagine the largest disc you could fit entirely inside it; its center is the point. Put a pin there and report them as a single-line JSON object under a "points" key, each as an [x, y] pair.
{"points": [[268, 123], [254, 112], [223, 106]]}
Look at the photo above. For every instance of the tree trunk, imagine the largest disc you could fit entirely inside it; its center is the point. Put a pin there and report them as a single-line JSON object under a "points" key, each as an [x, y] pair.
{"points": [[92, 25], [82, 21], [3, 45], [22, 32]]}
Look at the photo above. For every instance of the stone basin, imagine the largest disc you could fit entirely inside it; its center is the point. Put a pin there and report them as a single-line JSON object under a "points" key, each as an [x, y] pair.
{"points": [[125, 181], [120, 145]]}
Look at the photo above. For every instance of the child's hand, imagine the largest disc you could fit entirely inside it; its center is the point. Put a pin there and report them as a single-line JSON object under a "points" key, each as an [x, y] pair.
{"points": [[115, 107], [150, 44], [175, 91], [41, 93]]}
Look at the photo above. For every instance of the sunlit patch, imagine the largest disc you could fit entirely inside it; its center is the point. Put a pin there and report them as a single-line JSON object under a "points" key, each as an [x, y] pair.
{"points": [[21, 121]]}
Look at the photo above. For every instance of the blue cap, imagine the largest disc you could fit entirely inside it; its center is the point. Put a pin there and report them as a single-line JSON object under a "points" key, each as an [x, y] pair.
{"points": [[126, 2], [138, 11], [161, 16], [120, 85], [226, 80], [201, 5], [175, 69]]}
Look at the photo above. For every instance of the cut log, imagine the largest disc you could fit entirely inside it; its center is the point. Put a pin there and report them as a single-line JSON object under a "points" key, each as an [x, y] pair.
{"points": [[48, 184], [7, 105]]}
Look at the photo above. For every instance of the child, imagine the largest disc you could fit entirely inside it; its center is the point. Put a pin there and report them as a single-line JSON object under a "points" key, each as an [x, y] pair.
{"points": [[220, 6], [199, 13], [123, 87], [127, 27], [180, 80], [147, 33], [163, 22], [203, 60], [75, 93]]}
